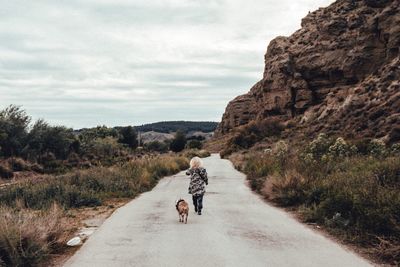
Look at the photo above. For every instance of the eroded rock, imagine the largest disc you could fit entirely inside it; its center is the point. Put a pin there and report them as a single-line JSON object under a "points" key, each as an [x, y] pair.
{"points": [[339, 73]]}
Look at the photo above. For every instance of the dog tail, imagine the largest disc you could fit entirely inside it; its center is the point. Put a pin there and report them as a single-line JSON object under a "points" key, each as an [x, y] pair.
{"points": [[177, 203]]}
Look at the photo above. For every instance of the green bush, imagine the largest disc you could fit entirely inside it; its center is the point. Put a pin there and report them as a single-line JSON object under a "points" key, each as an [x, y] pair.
{"points": [[355, 196], [341, 148], [395, 149], [179, 142], [318, 148], [129, 137], [377, 148], [14, 124], [157, 146], [83, 188], [252, 133], [194, 144], [258, 167]]}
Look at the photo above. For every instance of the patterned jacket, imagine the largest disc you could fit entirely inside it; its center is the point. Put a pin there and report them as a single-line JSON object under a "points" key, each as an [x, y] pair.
{"points": [[198, 180]]}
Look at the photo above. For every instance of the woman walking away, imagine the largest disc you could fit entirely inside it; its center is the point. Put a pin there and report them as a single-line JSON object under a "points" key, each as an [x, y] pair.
{"points": [[198, 180]]}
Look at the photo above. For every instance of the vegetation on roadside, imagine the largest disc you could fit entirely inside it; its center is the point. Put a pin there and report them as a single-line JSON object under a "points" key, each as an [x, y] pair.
{"points": [[45, 149], [249, 134], [29, 222], [27, 236], [179, 142], [57, 149], [78, 169], [351, 188], [190, 153]]}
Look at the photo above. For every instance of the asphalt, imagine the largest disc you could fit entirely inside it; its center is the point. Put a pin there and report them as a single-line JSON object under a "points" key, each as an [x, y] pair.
{"points": [[237, 228]]}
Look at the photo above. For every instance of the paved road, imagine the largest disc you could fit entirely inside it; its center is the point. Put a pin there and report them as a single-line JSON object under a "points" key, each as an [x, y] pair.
{"points": [[237, 228]]}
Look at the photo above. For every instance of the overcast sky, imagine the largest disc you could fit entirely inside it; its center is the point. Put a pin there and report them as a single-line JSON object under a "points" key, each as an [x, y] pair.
{"points": [[115, 62]]}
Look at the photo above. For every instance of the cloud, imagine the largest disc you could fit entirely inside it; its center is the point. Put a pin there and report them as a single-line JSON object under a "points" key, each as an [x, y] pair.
{"points": [[120, 62]]}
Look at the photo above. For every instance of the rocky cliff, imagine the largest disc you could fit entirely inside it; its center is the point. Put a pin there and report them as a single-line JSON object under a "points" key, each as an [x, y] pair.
{"points": [[339, 73]]}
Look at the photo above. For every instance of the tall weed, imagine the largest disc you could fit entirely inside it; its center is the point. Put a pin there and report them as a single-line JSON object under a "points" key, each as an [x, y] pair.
{"points": [[355, 195]]}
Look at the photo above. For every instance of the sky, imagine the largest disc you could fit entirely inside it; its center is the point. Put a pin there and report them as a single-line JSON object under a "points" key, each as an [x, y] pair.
{"points": [[83, 63]]}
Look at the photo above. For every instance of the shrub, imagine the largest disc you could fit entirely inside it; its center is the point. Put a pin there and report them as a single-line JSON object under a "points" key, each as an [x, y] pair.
{"points": [[18, 164], [252, 133], [377, 148], [28, 237], [258, 167], [5, 171], [319, 147], [341, 149], [128, 136], [157, 146], [281, 153], [362, 145], [13, 130], [289, 189], [45, 138], [355, 196], [182, 162], [37, 168], [227, 151], [395, 149], [194, 144], [91, 187], [179, 142], [104, 147], [196, 153]]}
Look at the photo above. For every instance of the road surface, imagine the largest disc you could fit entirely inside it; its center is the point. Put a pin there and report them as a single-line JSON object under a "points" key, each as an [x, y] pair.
{"points": [[237, 228]]}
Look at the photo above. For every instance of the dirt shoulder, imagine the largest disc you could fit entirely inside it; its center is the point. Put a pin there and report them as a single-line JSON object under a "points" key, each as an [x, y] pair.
{"points": [[84, 220]]}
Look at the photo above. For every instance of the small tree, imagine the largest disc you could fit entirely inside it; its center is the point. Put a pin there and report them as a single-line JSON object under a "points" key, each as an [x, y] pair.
{"points": [[45, 138], [179, 142], [13, 130], [196, 144], [129, 137]]}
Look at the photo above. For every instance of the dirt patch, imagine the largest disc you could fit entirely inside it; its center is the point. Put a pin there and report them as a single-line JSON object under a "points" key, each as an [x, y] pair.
{"points": [[86, 221]]}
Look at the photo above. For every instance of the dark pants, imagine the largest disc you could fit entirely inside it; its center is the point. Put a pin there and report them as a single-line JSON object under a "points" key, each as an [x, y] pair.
{"points": [[198, 202]]}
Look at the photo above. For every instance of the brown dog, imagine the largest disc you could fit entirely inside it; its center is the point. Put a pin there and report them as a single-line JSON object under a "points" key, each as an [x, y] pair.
{"points": [[183, 210]]}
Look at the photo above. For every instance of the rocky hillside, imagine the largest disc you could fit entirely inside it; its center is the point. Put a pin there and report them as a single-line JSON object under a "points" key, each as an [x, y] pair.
{"points": [[340, 73]]}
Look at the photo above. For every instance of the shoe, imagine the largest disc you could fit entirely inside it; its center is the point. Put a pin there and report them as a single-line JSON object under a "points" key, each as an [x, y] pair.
{"points": [[199, 212], [195, 209]]}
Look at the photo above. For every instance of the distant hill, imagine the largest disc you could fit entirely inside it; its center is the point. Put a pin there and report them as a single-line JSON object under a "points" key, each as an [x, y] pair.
{"points": [[173, 126]]}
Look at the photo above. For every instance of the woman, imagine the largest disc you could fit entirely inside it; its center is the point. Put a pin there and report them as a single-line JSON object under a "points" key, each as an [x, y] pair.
{"points": [[198, 180]]}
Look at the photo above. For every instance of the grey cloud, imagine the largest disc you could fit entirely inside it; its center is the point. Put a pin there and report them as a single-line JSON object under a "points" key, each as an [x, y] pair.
{"points": [[83, 63]]}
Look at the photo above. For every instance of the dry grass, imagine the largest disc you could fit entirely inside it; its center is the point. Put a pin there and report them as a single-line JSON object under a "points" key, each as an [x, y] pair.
{"points": [[92, 186], [355, 196], [27, 237], [33, 213], [216, 144]]}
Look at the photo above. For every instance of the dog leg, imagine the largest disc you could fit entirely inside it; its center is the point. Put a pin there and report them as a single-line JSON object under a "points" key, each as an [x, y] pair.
{"points": [[186, 218]]}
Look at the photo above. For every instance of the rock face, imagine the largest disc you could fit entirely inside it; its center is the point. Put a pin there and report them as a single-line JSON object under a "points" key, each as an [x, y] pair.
{"points": [[339, 73]]}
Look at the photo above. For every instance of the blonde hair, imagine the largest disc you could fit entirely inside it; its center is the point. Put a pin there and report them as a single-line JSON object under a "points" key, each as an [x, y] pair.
{"points": [[196, 162]]}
